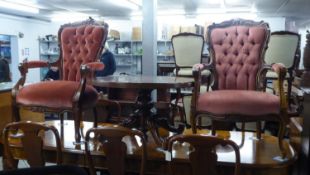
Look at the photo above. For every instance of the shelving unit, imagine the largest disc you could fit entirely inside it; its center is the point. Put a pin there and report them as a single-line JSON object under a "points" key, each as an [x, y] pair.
{"points": [[165, 59], [128, 56], [49, 51]]}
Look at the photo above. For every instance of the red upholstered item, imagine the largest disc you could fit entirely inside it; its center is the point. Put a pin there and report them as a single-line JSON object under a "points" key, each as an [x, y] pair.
{"points": [[251, 103], [55, 94], [36, 64], [237, 52], [80, 45]]}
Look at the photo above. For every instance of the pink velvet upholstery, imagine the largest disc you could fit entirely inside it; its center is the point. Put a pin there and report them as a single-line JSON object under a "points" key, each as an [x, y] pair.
{"points": [[80, 45], [251, 103], [55, 94], [237, 50], [238, 53]]}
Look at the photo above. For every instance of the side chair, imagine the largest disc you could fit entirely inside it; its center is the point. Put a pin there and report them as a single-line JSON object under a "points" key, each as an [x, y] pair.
{"points": [[25, 140], [110, 138], [283, 47], [237, 50], [202, 154], [187, 51], [80, 46]]}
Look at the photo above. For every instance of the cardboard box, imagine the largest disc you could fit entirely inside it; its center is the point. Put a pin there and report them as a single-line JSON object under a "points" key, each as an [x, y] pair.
{"points": [[173, 31], [136, 34], [188, 29], [114, 34]]}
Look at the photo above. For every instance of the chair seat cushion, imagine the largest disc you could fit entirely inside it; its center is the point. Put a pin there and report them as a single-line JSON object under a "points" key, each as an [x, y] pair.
{"points": [[55, 94], [243, 102]]}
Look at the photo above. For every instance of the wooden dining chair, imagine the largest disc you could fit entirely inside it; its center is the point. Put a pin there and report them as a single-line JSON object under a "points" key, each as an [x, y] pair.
{"points": [[80, 46], [187, 51], [283, 47], [202, 154], [237, 50], [115, 150], [24, 140]]}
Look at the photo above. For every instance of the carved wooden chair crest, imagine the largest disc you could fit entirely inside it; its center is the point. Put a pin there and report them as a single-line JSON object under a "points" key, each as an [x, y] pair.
{"points": [[203, 157], [80, 44], [114, 148]]}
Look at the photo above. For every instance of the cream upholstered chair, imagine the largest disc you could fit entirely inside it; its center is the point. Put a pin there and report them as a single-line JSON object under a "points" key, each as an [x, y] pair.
{"points": [[188, 49], [283, 48], [80, 44], [237, 51]]}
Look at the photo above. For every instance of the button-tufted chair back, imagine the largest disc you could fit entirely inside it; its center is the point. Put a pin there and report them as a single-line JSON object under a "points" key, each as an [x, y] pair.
{"points": [[237, 50], [79, 45]]}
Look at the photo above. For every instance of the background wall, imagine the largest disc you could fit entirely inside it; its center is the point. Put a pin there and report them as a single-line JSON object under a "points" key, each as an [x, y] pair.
{"points": [[31, 29]]}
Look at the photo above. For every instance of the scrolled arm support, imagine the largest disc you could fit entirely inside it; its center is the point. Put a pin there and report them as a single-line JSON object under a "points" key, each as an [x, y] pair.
{"points": [[86, 71], [281, 71], [197, 73], [23, 69]]}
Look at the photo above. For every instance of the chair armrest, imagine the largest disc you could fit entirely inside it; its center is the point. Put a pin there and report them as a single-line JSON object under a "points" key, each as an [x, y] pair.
{"points": [[23, 69], [36, 64], [95, 66], [197, 70], [87, 71], [281, 70]]}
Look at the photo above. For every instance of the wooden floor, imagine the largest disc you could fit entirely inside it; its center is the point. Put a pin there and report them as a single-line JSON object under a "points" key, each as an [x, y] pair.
{"points": [[257, 156]]}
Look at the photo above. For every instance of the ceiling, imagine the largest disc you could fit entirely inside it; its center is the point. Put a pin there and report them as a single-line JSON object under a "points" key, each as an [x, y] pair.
{"points": [[298, 10]]}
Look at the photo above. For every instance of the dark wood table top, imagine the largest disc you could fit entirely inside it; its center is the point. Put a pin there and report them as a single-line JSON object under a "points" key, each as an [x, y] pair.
{"points": [[254, 153], [142, 81]]}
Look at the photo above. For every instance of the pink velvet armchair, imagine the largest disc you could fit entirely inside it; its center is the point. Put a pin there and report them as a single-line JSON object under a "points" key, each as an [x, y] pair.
{"points": [[237, 50], [80, 44]]}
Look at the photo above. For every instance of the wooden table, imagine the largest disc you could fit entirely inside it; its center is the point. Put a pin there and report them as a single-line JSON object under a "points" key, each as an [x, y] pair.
{"points": [[145, 117], [256, 155]]}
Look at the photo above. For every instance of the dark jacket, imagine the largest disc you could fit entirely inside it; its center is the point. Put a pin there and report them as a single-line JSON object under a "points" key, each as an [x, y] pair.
{"points": [[107, 58], [4, 71]]}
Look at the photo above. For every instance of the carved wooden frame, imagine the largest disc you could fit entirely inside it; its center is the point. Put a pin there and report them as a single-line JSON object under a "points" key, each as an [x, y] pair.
{"points": [[278, 68], [85, 71]]}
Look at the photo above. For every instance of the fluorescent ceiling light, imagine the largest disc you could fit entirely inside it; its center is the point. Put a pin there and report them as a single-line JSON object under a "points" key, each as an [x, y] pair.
{"points": [[69, 17], [214, 2], [18, 6]]}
